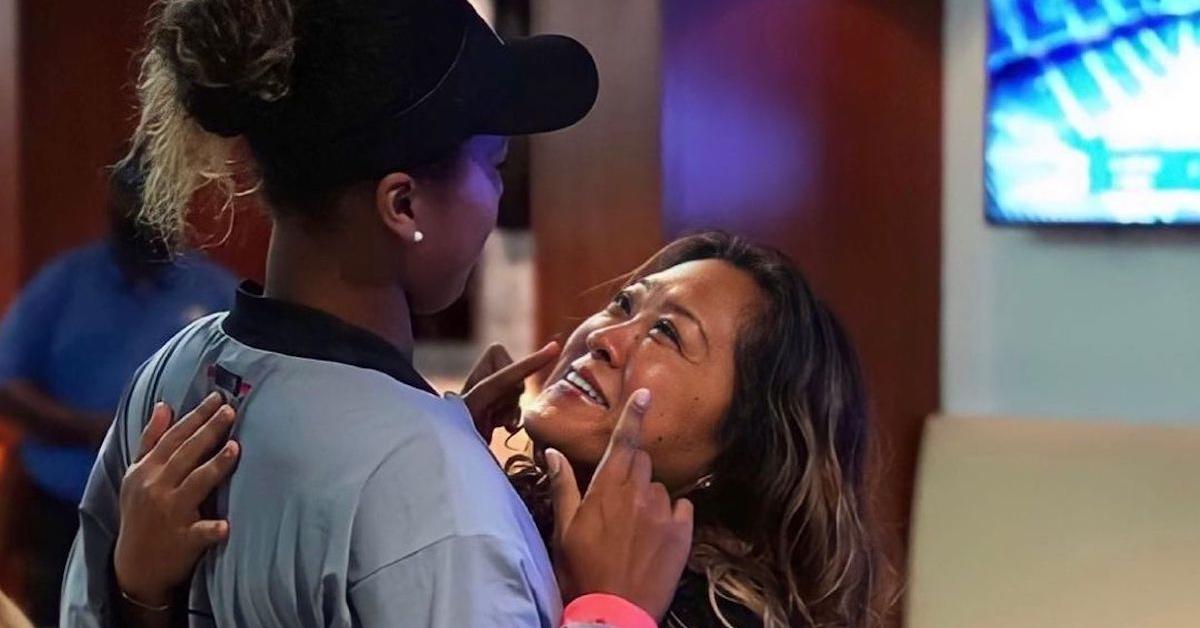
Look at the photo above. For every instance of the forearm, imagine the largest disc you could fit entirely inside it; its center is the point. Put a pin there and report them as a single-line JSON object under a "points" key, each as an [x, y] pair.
{"points": [[46, 417]]}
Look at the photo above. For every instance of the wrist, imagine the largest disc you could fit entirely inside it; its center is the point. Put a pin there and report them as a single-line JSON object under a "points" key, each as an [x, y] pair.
{"points": [[151, 605], [145, 596], [142, 594]]}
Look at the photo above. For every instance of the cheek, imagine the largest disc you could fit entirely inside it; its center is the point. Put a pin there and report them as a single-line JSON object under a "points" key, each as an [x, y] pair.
{"points": [[456, 230], [483, 195], [582, 438], [468, 219], [677, 404], [481, 205], [680, 431]]}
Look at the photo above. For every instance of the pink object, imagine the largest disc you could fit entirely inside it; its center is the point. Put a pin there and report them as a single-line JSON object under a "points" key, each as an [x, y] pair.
{"points": [[604, 609]]}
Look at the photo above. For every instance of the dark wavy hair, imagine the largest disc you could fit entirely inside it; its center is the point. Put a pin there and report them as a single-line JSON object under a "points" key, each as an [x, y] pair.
{"points": [[782, 528]]}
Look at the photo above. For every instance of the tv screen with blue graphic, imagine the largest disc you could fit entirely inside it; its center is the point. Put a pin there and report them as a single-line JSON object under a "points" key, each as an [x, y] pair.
{"points": [[1093, 113]]}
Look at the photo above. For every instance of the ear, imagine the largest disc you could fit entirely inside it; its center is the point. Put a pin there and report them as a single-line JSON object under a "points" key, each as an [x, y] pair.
{"points": [[394, 204]]}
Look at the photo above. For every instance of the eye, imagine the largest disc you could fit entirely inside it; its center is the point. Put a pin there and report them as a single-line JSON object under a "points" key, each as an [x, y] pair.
{"points": [[622, 302], [664, 327]]}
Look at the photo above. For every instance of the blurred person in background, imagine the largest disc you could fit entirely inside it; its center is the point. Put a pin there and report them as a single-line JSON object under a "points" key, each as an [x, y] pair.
{"points": [[68, 345]]}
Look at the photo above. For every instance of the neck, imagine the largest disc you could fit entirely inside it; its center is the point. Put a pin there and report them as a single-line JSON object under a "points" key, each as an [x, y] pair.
{"points": [[139, 259], [328, 273]]}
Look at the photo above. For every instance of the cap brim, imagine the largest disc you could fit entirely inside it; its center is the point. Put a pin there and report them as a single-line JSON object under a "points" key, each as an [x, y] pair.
{"points": [[554, 85]]}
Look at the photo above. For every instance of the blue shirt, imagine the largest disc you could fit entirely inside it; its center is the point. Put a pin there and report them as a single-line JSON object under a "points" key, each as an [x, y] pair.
{"points": [[78, 332], [361, 498]]}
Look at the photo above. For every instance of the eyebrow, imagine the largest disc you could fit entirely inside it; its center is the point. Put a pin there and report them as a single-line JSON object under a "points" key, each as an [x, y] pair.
{"points": [[650, 284]]}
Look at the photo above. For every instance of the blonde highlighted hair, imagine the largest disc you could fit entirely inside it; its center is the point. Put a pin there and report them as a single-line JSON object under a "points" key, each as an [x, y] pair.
{"points": [[237, 50]]}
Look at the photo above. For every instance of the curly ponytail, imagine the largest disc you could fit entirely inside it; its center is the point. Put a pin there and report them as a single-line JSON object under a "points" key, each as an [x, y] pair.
{"points": [[211, 70]]}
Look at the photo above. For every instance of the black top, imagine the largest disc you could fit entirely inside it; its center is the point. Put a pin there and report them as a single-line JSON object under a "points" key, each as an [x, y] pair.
{"points": [[304, 332], [691, 607]]}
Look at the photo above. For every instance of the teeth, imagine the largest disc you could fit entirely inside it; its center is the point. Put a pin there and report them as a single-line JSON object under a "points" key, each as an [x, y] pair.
{"points": [[579, 382]]}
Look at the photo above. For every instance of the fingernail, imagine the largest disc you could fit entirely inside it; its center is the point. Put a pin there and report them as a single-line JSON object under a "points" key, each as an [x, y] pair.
{"points": [[554, 461], [212, 397], [225, 413], [230, 449], [159, 406], [641, 399]]}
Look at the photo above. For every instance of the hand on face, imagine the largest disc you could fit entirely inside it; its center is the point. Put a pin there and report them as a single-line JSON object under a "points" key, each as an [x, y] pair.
{"points": [[162, 534], [624, 536], [492, 392]]}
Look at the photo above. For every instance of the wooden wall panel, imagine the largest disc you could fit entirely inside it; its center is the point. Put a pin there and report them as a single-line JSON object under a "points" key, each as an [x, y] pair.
{"points": [[76, 111], [815, 127], [10, 194], [11, 581], [595, 189]]}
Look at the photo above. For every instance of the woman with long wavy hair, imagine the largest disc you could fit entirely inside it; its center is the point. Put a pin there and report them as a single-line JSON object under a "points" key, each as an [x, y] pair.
{"points": [[769, 441]]}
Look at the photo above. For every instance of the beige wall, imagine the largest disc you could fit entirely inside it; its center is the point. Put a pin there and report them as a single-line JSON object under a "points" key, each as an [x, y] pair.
{"points": [[1043, 523]]}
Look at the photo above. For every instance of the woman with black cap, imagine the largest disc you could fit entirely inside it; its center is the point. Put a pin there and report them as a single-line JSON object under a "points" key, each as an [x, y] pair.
{"points": [[361, 498]]}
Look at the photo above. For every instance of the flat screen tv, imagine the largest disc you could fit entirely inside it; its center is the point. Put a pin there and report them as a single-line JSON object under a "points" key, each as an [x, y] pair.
{"points": [[1093, 112]]}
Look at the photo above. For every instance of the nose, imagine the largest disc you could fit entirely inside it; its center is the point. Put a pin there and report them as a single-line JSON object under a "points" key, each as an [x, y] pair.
{"points": [[611, 344]]}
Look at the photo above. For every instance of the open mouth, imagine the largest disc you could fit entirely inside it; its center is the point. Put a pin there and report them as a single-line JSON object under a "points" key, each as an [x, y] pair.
{"points": [[589, 390]]}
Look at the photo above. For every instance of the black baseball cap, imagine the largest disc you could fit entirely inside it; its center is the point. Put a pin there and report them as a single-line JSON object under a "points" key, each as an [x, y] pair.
{"points": [[386, 85]]}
